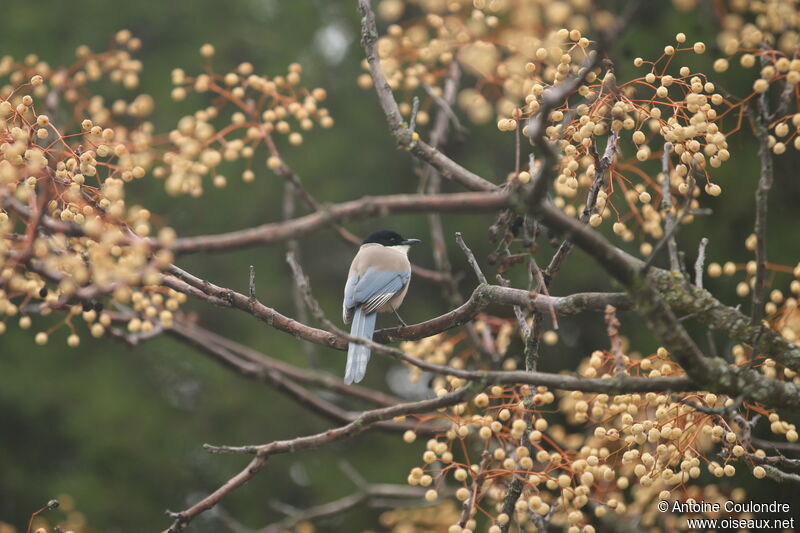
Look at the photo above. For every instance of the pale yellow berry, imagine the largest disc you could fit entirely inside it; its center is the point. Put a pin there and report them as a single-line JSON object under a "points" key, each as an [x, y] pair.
{"points": [[97, 330], [274, 162], [481, 400], [742, 289], [207, 50], [178, 94]]}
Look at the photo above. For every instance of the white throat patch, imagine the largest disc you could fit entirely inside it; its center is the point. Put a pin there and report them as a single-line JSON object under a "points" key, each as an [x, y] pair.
{"points": [[400, 248]]}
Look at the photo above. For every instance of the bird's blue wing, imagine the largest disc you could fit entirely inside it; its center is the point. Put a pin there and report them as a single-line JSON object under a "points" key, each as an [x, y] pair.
{"points": [[376, 287], [349, 303]]}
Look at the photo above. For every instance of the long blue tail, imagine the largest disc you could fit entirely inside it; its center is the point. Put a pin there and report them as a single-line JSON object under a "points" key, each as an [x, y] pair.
{"points": [[358, 355]]}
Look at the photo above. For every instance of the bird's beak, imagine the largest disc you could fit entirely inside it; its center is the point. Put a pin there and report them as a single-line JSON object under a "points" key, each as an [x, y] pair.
{"points": [[411, 241]]}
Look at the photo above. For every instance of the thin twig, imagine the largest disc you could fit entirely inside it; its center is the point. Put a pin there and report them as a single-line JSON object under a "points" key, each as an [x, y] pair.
{"points": [[602, 164], [612, 327], [533, 266], [263, 452], [252, 284], [470, 258], [698, 264], [670, 223], [469, 505]]}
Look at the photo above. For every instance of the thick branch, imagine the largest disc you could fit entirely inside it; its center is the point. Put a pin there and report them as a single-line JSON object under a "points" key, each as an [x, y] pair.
{"points": [[711, 374], [762, 193], [482, 297]]}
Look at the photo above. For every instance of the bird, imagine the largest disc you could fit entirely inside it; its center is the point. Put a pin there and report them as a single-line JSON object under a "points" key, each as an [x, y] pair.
{"points": [[377, 282]]}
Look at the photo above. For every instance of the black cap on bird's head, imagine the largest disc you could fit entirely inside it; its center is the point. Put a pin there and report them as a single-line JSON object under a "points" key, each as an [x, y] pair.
{"points": [[388, 238]]}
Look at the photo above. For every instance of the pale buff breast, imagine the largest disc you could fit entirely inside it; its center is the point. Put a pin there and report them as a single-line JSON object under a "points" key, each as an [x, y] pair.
{"points": [[383, 258]]}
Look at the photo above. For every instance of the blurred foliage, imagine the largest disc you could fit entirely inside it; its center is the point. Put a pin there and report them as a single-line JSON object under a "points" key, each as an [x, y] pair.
{"points": [[117, 432]]}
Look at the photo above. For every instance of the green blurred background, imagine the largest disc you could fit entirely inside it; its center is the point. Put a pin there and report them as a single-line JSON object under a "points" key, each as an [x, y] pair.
{"points": [[119, 431]]}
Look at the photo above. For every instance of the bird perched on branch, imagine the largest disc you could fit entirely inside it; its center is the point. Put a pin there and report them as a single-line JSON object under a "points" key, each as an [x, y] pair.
{"points": [[377, 282]]}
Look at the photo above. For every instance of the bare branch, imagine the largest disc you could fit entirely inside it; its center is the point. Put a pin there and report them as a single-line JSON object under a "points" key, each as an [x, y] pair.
{"points": [[468, 507], [714, 374], [698, 264], [791, 447], [559, 94], [252, 284], [668, 210], [447, 167], [612, 325], [470, 258], [295, 186], [601, 164], [762, 194], [262, 452], [269, 372], [253, 364], [369, 494], [376, 206], [780, 476], [483, 296]]}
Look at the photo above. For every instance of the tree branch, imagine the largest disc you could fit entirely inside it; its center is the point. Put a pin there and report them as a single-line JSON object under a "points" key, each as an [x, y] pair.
{"points": [[482, 297], [262, 452], [448, 168], [376, 206], [712, 374]]}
